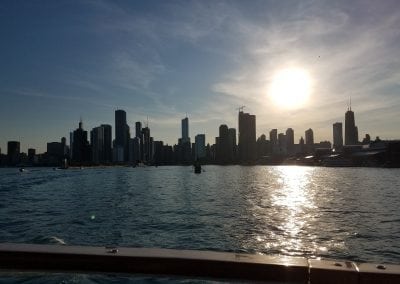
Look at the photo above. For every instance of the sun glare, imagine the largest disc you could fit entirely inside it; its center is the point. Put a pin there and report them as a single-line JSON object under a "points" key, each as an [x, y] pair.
{"points": [[290, 88]]}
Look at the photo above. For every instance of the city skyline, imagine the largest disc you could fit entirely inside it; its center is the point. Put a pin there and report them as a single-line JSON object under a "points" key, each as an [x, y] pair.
{"points": [[64, 60]]}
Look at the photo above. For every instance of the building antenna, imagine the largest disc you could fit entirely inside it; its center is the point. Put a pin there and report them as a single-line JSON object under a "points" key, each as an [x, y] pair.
{"points": [[350, 103], [241, 108], [147, 122]]}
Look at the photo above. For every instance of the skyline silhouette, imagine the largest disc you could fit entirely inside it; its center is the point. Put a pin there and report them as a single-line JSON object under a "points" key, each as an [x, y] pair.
{"points": [[62, 60]]}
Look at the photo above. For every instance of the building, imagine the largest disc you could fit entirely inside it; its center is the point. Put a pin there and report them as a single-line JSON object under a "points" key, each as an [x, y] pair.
{"points": [[139, 135], [200, 146], [337, 135], [223, 154], [81, 152], [134, 150], [351, 130], [13, 153], [273, 138], [309, 135], [100, 138], [185, 130], [184, 145], [282, 149], [147, 145], [232, 152], [247, 137], [290, 141], [122, 134]]}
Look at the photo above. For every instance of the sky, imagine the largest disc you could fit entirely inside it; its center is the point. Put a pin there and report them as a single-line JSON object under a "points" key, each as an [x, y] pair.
{"points": [[65, 60]]}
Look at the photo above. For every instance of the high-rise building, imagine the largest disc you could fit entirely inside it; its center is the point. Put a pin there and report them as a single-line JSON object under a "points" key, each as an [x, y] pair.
{"points": [[100, 138], [247, 137], [200, 146], [351, 131], [185, 151], [80, 145], [139, 135], [185, 130], [147, 147], [290, 141], [273, 138], [282, 144], [223, 144], [134, 150], [337, 135], [13, 153], [232, 144], [309, 134], [122, 135]]}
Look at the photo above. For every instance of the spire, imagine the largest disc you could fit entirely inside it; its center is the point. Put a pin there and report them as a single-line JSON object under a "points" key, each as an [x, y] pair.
{"points": [[80, 123], [350, 103]]}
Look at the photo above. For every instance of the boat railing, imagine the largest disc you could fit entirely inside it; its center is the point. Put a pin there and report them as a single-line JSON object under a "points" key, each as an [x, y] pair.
{"points": [[191, 263]]}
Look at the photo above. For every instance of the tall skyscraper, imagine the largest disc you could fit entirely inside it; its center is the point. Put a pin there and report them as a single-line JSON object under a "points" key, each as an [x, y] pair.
{"points": [[309, 134], [200, 146], [273, 138], [337, 135], [80, 147], [13, 153], [232, 144], [185, 147], [247, 137], [100, 140], [351, 131], [147, 147], [139, 135], [122, 135], [185, 130], [223, 144], [290, 141]]}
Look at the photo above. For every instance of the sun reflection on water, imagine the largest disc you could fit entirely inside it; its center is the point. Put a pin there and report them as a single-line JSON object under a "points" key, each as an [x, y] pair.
{"points": [[292, 209]]}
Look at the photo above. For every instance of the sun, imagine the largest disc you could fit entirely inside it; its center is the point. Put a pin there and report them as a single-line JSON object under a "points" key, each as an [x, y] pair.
{"points": [[290, 88]]}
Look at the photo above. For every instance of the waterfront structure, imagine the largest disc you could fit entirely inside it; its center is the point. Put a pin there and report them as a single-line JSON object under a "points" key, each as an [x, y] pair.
{"points": [[13, 153], [80, 145], [337, 135], [290, 141], [100, 138], [351, 130], [247, 137], [122, 134], [200, 146], [309, 135]]}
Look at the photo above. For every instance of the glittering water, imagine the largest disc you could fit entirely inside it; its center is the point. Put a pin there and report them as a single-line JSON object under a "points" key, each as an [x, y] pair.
{"points": [[345, 213]]}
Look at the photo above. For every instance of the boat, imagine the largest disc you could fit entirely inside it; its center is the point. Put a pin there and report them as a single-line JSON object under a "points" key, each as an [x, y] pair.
{"points": [[197, 167]]}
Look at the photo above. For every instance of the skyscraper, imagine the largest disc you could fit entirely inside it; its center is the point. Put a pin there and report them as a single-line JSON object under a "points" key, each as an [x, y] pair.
{"points": [[100, 140], [139, 135], [273, 138], [200, 146], [223, 144], [185, 130], [80, 145], [13, 152], [184, 142], [247, 137], [290, 141], [122, 135], [351, 131], [337, 135], [309, 134], [232, 144]]}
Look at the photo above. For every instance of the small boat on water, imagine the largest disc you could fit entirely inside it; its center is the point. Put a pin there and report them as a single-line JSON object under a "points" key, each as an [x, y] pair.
{"points": [[197, 167], [21, 170]]}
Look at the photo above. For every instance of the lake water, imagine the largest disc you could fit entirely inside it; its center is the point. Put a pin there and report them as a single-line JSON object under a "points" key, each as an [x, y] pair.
{"points": [[342, 213]]}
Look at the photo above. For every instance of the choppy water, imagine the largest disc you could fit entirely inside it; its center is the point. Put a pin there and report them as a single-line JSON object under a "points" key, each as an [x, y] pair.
{"points": [[345, 213]]}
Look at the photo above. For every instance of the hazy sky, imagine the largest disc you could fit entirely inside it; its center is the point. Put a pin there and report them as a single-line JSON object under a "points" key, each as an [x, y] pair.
{"points": [[62, 60]]}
